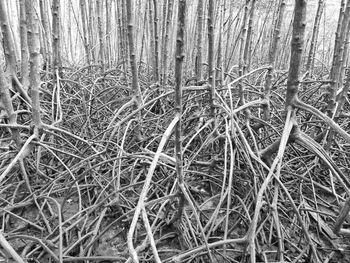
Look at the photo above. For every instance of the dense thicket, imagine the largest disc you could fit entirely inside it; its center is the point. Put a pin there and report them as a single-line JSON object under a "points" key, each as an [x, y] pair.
{"points": [[174, 131]]}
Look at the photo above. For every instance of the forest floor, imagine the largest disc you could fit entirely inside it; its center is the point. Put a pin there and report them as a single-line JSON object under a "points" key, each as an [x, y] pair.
{"points": [[74, 196]]}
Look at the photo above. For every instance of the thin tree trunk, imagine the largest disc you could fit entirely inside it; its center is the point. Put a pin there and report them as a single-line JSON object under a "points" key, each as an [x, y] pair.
{"points": [[199, 59], [345, 55], [121, 48], [100, 35], [262, 37], [211, 65], [56, 35], [219, 61], [242, 52], [125, 35], [85, 31], [163, 20], [337, 63], [8, 43], [46, 32], [133, 64], [165, 48], [296, 54], [6, 104], [156, 41], [152, 40], [34, 50], [228, 36], [293, 83], [179, 58], [315, 31], [236, 41], [91, 32], [69, 37], [9, 51], [24, 46], [248, 42], [272, 58], [108, 33], [337, 42], [144, 36]]}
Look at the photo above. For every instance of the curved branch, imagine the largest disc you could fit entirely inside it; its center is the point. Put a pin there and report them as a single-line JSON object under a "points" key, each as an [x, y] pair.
{"points": [[301, 105]]}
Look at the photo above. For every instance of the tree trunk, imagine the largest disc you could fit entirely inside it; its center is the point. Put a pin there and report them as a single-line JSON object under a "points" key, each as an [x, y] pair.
{"points": [[108, 33], [296, 54], [165, 48], [100, 35], [56, 36], [199, 60], [242, 52], [211, 65], [8, 43], [315, 31], [34, 50], [6, 104], [46, 33], [272, 58], [341, 35], [133, 65], [179, 58], [84, 22], [24, 46], [156, 41], [248, 42]]}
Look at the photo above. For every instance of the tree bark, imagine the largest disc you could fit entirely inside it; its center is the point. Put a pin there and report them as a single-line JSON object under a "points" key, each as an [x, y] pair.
{"points": [[211, 65], [100, 36], [56, 36], [85, 31], [199, 59], [34, 50], [315, 31], [133, 64], [8, 43], [24, 46]]}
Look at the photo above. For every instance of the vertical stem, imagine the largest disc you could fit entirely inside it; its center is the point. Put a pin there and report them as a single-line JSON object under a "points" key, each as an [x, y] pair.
{"points": [[34, 50], [242, 49], [199, 60], [100, 35], [46, 32], [156, 41], [179, 57], [91, 32], [248, 42], [7, 39], [56, 41], [345, 54], [315, 31], [219, 61], [152, 40], [296, 53], [272, 58], [85, 30], [144, 30], [126, 55], [118, 11], [211, 69], [108, 32], [5, 100], [337, 63], [133, 64], [165, 49], [24, 46]]}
